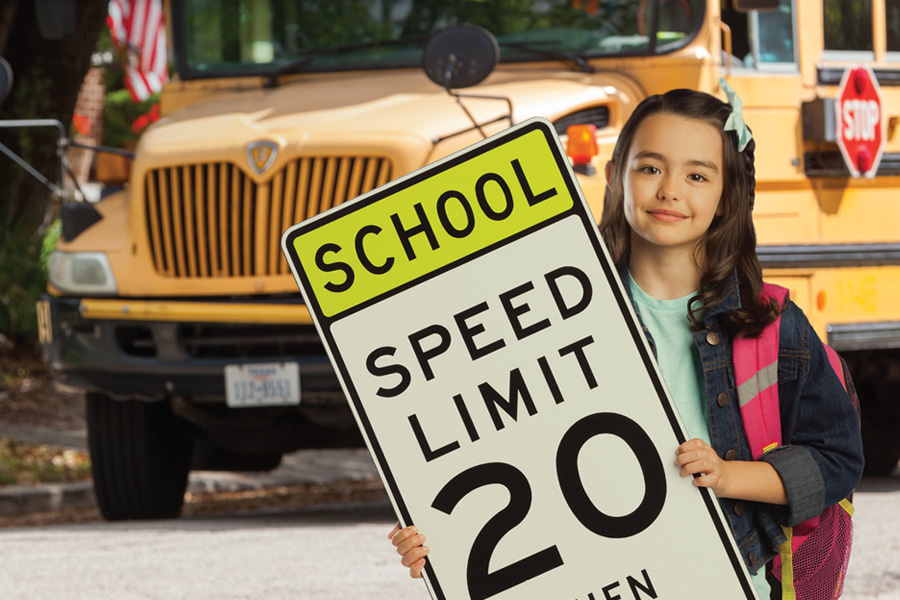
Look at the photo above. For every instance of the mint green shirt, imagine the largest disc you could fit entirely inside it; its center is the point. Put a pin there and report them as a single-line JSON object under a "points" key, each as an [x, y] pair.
{"points": [[677, 356], [679, 361]]}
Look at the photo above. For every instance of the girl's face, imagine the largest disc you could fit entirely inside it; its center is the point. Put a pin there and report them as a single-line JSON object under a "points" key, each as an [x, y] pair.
{"points": [[672, 182]]}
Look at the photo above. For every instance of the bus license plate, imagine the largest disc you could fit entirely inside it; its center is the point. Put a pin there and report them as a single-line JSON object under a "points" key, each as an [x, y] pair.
{"points": [[262, 384]]}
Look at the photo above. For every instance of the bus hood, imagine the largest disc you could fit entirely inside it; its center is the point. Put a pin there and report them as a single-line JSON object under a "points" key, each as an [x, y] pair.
{"points": [[400, 114], [216, 183]]}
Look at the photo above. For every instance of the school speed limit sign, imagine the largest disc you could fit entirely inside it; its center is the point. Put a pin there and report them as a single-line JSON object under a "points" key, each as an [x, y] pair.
{"points": [[503, 385]]}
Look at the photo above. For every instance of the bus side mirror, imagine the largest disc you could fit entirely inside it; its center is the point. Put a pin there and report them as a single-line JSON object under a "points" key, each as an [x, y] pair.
{"points": [[743, 6], [6, 79], [460, 56]]}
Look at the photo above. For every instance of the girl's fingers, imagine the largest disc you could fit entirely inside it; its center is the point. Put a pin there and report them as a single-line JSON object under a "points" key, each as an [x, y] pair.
{"points": [[707, 481], [688, 458], [683, 459], [414, 556], [399, 535], [410, 543], [697, 466], [415, 569], [694, 444]]}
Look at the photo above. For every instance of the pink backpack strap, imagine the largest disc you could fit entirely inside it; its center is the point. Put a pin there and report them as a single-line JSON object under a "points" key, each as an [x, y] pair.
{"points": [[756, 374], [835, 361]]}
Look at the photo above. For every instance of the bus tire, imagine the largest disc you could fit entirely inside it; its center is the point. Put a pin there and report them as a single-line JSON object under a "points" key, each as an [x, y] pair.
{"points": [[881, 441], [140, 458]]}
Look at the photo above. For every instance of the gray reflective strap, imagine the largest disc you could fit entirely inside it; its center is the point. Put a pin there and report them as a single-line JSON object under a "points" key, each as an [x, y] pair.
{"points": [[764, 378]]}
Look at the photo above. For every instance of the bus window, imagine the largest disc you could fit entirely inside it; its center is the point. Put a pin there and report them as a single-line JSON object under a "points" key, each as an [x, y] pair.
{"points": [[773, 32], [848, 30], [892, 24], [762, 40], [222, 38]]}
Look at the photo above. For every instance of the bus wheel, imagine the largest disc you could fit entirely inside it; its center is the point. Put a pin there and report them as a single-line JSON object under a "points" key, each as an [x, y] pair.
{"points": [[881, 440], [140, 458], [880, 422]]}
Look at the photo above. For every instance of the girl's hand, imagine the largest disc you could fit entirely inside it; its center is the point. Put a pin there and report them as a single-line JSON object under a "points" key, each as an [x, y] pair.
{"points": [[737, 479], [695, 456], [409, 543]]}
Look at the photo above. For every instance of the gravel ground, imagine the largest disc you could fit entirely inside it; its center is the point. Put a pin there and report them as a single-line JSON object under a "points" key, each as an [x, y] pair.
{"points": [[36, 409], [29, 396]]}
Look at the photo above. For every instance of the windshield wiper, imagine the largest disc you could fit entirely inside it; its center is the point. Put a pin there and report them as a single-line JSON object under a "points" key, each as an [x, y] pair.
{"points": [[566, 57], [300, 63]]}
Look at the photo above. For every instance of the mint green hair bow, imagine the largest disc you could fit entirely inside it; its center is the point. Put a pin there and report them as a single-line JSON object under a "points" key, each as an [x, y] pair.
{"points": [[735, 120]]}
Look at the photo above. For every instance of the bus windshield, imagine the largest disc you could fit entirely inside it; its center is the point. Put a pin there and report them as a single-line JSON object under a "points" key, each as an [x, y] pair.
{"points": [[220, 38]]}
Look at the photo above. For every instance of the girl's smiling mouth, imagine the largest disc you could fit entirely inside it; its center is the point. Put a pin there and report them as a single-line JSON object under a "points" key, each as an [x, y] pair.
{"points": [[666, 216]]}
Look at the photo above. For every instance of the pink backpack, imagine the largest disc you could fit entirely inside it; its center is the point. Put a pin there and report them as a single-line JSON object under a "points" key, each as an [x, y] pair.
{"points": [[812, 563]]}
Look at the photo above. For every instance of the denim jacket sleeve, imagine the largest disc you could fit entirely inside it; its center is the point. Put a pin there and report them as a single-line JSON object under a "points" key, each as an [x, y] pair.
{"points": [[820, 460]]}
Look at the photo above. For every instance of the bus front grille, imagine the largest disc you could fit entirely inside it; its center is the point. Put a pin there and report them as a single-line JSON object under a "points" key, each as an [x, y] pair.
{"points": [[212, 220]]}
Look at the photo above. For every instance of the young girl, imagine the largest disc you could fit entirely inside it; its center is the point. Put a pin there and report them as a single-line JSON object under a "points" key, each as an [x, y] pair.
{"points": [[677, 222]]}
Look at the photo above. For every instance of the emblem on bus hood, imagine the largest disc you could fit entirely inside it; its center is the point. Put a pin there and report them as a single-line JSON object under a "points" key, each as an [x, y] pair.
{"points": [[261, 155]]}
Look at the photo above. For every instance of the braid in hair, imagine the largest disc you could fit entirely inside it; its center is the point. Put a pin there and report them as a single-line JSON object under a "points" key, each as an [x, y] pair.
{"points": [[731, 247], [755, 313], [750, 165]]}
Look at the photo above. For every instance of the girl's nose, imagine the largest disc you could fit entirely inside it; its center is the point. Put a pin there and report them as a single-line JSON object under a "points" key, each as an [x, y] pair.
{"points": [[669, 190]]}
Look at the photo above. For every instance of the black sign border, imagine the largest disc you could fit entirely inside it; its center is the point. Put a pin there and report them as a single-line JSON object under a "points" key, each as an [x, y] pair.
{"points": [[609, 270]]}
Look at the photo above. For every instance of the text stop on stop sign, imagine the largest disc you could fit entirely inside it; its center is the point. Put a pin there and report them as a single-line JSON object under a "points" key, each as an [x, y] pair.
{"points": [[858, 112]]}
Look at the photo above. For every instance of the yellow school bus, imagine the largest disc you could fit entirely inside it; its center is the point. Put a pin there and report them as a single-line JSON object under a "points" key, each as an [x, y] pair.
{"points": [[178, 314]]}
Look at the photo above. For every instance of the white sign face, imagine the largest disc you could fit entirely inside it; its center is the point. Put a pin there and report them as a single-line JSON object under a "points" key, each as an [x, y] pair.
{"points": [[507, 395]]}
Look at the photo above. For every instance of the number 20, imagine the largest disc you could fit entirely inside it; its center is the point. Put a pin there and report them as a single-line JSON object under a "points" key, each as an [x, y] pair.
{"points": [[483, 584]]}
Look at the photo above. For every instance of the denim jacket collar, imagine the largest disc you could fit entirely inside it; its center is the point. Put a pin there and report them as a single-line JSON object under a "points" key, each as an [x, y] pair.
{"points": [[731, 301]]}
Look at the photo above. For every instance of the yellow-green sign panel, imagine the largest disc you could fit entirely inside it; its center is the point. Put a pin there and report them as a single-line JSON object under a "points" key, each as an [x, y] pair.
{"points": [[429, 223]]}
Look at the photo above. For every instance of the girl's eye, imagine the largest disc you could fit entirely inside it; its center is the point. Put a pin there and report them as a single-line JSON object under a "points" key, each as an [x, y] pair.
{"points": [[649, 170], [696, 177]]}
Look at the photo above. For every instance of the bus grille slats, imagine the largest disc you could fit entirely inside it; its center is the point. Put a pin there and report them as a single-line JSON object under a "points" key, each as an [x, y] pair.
{"points": [[223, 202], [272, 216], [287, 214], [178, 219], [314, 191], [211, 220], [200, 211]]}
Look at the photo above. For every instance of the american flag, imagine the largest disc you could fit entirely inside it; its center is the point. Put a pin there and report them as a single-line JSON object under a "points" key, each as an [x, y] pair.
{"points": [[138, 25]]}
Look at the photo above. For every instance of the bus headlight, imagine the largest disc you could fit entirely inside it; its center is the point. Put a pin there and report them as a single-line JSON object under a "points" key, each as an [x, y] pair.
{"points": [[81, 273]]}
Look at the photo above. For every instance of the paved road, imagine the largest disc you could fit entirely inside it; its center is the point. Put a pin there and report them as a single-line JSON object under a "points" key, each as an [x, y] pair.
{"points": [[325, 553], [321, 554], [874, 572]]}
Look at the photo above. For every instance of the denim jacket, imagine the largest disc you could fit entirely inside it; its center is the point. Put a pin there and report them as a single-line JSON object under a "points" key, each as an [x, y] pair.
{"points": [[821, 459]]}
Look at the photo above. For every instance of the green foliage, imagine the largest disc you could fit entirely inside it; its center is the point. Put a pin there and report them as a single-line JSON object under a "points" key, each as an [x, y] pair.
{"points": [[27, 464], [30, 99], [23, 278], [114, 75], [848, 25], [47, 78], [23, 275], [49, 241], [119, 114]]}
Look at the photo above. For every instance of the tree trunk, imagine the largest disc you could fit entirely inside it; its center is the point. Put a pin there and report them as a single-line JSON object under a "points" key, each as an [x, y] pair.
{"points": [[47, 77]]}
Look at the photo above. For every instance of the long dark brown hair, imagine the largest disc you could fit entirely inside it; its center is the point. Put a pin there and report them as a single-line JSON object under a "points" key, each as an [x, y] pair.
{"points": [[729, 244]]}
